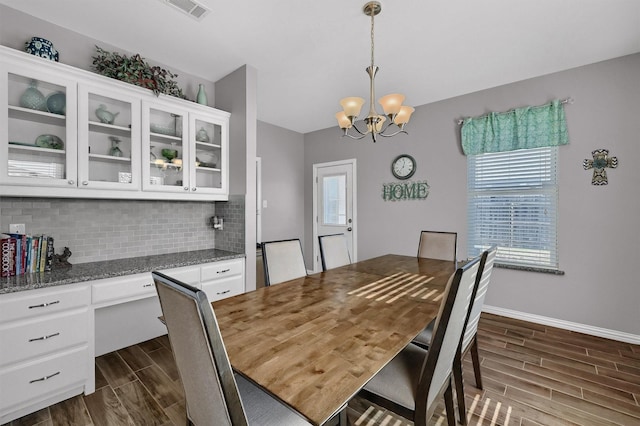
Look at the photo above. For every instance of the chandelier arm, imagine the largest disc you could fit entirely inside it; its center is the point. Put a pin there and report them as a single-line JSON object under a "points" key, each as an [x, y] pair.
{"points": [[349, 135], [354, 126], [393, 134]]}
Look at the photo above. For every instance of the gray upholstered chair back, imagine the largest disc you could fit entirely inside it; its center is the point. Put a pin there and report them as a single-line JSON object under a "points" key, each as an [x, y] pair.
{"points": [[334, 251], [476, 309], [448, 330], [210, 389], [283, 261], [438, 245]]}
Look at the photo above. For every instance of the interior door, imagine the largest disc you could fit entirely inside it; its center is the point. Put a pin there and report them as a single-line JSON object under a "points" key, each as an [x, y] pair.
{"points": [[335, 205]]}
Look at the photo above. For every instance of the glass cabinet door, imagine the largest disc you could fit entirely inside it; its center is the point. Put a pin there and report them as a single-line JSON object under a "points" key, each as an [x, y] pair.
{"points": [[108, 139], [165, 152], [38, 127], [207, 137]]}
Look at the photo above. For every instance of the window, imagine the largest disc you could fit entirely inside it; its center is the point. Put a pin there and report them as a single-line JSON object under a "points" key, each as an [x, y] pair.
{"points": [[335, 200], [512, 203]]}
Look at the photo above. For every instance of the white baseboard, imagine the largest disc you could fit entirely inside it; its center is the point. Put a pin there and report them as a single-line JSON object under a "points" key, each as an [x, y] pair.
{"points": [[566, 325]]}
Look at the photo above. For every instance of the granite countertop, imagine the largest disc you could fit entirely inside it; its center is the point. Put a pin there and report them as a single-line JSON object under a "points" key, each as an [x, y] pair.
{"points": [[112, 268]]}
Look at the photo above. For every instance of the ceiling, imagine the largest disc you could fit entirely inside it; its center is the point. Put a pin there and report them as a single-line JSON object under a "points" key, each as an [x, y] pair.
{"points": [[310, 54]]}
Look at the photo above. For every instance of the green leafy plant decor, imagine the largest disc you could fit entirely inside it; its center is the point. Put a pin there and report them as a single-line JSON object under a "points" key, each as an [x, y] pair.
{"points": [[135, 70]]}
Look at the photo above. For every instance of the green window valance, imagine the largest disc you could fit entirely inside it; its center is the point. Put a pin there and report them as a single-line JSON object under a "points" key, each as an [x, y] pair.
{"points": [[522, 128]]}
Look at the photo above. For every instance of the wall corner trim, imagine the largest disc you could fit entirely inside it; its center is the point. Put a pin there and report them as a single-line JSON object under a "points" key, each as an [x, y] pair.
{"points": [[566, 325]]}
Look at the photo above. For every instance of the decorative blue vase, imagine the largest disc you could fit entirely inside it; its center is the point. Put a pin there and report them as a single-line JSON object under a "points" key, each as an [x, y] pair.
{"points": [[202, 96], [32, 98], [57, 103], [41, 47]]}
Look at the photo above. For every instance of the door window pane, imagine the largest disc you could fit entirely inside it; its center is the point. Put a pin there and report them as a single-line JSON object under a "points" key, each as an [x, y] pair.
{"points": [[334, 200]]}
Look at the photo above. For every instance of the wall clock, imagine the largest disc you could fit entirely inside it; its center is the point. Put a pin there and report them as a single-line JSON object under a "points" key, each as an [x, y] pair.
{"points": [[403, 166]]}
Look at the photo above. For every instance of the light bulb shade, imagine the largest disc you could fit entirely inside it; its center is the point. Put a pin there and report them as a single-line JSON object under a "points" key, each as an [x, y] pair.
{"points": [[391, 103], [343, 120], [378, 125], [352, 106], [403, 115]]}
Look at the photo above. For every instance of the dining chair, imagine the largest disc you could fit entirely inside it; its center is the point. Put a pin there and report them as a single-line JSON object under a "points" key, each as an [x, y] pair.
{"points": [[470, 337], [334, 251], [410, 383], [438, 245], [283, 261], [214, 394]]}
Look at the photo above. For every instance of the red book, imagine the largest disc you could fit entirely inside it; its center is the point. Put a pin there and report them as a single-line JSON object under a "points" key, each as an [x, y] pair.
{"points": [[7, 255]]}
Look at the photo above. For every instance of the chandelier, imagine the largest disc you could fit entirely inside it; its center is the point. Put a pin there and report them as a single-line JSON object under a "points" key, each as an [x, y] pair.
{"points": [[375, 124]]}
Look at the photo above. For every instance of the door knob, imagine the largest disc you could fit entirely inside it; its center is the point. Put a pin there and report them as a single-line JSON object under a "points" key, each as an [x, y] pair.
{"points": [[349, 229]]}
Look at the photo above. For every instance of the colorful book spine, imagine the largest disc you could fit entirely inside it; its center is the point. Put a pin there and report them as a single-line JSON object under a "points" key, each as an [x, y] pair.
{"points": [[34, 252], [43, 254], [28, 261], [7, 255], [49, 257]]}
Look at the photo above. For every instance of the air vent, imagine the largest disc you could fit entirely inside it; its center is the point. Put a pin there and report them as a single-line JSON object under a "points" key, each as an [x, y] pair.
{"points": [[195, 10]]}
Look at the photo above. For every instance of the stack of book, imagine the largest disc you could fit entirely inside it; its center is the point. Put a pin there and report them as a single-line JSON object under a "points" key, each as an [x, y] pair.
{"points": [[25, 254]]}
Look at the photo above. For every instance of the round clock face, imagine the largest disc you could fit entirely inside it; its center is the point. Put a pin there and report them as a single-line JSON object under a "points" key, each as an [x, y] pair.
{"points": [[403, 166]]}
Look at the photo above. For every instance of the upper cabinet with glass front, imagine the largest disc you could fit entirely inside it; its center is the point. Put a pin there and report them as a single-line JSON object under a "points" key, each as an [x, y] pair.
{"points": [[38, 121], [184, 150], [108, 138], [66, 132]]}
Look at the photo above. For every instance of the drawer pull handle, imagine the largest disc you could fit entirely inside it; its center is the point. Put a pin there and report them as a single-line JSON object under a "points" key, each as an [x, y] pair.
{"points": [[148, 285], [44, 337], [42, 379], [223, 271], [44, 305], [223, 292]]}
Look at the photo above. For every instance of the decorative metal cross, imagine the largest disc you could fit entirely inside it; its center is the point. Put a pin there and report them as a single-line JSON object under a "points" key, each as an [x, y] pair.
{"points": [[600, 160]]}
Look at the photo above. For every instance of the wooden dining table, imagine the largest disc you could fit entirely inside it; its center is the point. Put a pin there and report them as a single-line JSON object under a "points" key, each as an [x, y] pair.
{"points": [[314, 342]]}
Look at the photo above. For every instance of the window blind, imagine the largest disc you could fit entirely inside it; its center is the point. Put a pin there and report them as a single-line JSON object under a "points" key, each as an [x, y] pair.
{"points": [[513, 203]]}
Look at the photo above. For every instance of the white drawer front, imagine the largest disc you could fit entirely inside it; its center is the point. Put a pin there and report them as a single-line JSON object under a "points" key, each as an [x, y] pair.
{"points": [[34, 380], [29, 339], [188, 274], [129, 287], [31, 303], [222, 269], [223, 288]]}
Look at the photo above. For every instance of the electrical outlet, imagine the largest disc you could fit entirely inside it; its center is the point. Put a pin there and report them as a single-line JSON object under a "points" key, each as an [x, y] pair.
{"points": [[17, 228]]}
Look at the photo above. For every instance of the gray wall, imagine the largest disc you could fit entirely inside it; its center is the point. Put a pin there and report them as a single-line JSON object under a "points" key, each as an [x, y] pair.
{"points": [[282, 153], [77, 50], [599, 235], [237, 93]]}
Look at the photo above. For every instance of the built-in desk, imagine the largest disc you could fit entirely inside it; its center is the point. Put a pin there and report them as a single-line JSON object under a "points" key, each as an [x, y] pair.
{"points": [[53, 324]]}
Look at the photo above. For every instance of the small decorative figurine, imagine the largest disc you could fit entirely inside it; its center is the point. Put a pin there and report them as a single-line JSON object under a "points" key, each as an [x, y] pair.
{"points": [[202, 135], [62, 260], [115, 150], [105, 116]]}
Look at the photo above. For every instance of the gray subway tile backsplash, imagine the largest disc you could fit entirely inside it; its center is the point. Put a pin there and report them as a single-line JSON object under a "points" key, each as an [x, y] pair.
{"points": [[96, 230]]}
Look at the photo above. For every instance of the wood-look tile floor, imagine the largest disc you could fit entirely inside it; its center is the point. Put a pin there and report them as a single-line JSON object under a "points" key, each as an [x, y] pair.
{"points": [[532, 374]]}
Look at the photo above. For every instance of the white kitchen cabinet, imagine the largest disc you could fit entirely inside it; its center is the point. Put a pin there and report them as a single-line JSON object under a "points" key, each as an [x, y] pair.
{"points": [[46, 345], [184, 151], [76, 152], [108, 138], [38, 148], [222, 279]]}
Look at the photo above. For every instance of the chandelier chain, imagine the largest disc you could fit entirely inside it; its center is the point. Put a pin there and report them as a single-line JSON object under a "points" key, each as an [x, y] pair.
{"points": [[372, 39]]}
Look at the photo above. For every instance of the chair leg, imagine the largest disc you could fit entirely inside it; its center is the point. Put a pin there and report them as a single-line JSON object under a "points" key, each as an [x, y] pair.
{"points": [[448, 404], [475, 358], [457, 378]]}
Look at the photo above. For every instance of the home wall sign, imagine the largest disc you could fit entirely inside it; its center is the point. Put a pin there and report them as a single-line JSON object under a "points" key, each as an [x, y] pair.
{"points": [[601, 160], [403, 191]]}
